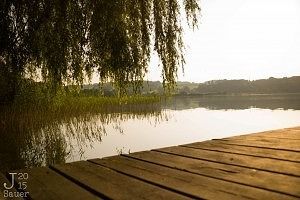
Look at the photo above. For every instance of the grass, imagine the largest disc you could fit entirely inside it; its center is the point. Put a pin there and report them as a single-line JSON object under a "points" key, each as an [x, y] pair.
{"points": [[94, 104]]}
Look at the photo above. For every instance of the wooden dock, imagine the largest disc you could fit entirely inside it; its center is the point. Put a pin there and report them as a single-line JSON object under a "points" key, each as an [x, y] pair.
{"points": [[262, 165]]}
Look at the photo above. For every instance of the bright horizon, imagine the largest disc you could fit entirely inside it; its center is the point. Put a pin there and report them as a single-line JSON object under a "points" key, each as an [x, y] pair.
{"points": [[241, 39]]}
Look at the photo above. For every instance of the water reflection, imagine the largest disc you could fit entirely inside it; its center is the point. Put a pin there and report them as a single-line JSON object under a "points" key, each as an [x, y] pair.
{"points": [[275, 101], [35, 138]]}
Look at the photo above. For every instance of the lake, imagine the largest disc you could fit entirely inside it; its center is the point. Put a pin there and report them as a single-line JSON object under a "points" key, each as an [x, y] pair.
{"points": [[175, 121]]}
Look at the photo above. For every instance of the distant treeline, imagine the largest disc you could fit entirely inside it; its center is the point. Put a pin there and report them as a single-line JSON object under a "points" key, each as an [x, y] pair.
{"points": [[262, 86], [36, 91]]}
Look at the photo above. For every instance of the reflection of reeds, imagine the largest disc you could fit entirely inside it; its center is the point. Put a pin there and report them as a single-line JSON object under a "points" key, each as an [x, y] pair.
{"points": [[37, 135]]}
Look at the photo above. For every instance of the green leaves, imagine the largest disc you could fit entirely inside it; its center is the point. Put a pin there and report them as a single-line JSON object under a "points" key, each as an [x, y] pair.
{"points": [[68, 40]]}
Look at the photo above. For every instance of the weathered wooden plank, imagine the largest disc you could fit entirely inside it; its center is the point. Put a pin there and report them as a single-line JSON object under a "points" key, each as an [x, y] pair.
{"points": [[291, 145], [184, 182], [4, 192], [267, 137], [222, 146], [44, 183], [266, 164], [291, 133], [245, 176], [111, 184], [261, 137]]}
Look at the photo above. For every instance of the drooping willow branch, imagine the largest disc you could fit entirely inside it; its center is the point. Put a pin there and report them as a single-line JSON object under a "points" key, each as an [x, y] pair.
{"points": [[68, 40]]}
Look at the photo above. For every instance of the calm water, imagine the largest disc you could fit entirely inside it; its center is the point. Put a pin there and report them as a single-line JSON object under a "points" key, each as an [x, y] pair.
{"points": [[178, 121]]}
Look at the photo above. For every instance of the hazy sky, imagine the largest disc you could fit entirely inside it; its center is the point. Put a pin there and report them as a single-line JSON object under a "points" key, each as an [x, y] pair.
{"points": [[249, 39]]}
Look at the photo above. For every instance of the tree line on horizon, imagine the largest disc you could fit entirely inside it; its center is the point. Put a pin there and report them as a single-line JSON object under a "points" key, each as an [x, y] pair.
{"points": [[240, 86], [261, 86]]}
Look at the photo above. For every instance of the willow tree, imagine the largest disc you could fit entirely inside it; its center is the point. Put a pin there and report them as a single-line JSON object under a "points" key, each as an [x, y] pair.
{"points": [[68, 40]]}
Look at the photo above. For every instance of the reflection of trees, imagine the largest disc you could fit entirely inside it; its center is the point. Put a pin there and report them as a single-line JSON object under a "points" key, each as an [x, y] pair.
{"points": [[35, 138]]}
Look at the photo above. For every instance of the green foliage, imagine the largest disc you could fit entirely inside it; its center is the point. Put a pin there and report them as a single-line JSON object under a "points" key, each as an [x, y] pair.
{"points": [[64, 41]]}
